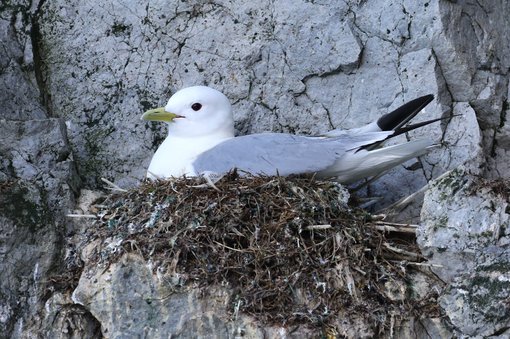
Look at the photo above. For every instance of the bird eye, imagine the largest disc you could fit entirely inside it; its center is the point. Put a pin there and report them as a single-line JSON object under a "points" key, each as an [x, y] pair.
{"points": [[196, 106]]}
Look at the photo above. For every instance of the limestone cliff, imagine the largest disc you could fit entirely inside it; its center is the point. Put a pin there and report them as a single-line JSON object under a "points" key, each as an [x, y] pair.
{"points": [[76, 75]]}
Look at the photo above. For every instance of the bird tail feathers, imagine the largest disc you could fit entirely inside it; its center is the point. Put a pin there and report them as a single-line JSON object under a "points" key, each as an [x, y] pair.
{"points": [[402, 130], [355, 166]]}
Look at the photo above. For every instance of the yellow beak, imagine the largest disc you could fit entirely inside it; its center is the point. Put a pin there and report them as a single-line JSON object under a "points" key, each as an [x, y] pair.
{"points": [[159, 114]]}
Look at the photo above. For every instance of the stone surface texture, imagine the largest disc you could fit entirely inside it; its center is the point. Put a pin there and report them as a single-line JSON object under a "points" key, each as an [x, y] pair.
{"points": [[465, 231], [75, 77], [37, 187], [129, 300]]}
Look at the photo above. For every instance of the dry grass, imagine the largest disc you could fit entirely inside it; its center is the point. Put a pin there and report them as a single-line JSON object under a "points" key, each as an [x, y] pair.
{"points": [[499, 187], [290, 249]]}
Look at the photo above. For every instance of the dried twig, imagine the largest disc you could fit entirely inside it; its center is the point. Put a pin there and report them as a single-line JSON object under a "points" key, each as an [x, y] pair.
{"points": [[413, 255], [112, 186], [88, 216], [390, 228], [317, 227]]}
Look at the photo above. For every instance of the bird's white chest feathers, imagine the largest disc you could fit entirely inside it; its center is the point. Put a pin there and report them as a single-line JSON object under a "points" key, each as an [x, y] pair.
{"points": [[175, 156]]}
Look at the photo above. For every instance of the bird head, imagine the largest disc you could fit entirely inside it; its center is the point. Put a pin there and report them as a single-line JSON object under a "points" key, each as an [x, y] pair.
{"points": [[195, 111]]}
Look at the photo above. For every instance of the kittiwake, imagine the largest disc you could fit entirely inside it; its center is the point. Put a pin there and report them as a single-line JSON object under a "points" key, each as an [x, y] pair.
{"points": [[201, 140]]}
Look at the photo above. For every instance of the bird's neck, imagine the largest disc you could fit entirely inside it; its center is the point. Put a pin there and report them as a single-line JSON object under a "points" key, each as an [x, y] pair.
{"points": [[197, 144], [216, 135]]}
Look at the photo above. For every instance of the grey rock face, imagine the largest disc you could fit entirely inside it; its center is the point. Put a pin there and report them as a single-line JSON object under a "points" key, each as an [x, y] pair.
{"points": [[465, 231], [129, 300], [37, 151], [38, 179], [482, 54], [477, 300], [20, 96], [461, 218], [36, 189], [64, 319]]}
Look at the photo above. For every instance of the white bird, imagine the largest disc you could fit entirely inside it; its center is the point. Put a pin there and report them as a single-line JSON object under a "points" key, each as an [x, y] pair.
{"points": [[201, 140]]}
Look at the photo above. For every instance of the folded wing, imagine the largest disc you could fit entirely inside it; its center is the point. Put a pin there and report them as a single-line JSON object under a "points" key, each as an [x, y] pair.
{"points": [[283, 154]]}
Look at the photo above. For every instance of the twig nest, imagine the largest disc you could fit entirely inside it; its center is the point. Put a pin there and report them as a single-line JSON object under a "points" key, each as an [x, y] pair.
{"points": [[291, 249]]}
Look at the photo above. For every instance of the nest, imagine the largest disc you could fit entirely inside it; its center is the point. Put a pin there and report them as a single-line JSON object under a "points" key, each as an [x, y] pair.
{"points": [[499, 187], [291, 249]]}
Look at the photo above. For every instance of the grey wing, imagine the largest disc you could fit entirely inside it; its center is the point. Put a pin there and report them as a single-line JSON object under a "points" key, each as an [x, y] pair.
{"points": [[278, 153]]}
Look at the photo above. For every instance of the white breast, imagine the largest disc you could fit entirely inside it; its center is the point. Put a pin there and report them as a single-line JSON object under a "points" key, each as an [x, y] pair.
{"points": [[175, 156]]}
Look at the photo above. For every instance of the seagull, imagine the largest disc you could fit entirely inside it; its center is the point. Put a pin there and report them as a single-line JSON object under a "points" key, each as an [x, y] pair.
{"points": [[201, 141]]}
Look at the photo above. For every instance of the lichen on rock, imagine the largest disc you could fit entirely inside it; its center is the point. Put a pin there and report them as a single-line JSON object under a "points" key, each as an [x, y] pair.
{"points": [[465, 234]]}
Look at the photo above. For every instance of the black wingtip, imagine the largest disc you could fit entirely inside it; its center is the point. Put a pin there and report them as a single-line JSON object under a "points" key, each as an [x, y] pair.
{"points": [[408, 128], [403, 114]]}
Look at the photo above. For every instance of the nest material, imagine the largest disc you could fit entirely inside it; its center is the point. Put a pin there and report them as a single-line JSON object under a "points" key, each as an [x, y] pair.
{"points": [[290, 248], [499, 187]]}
